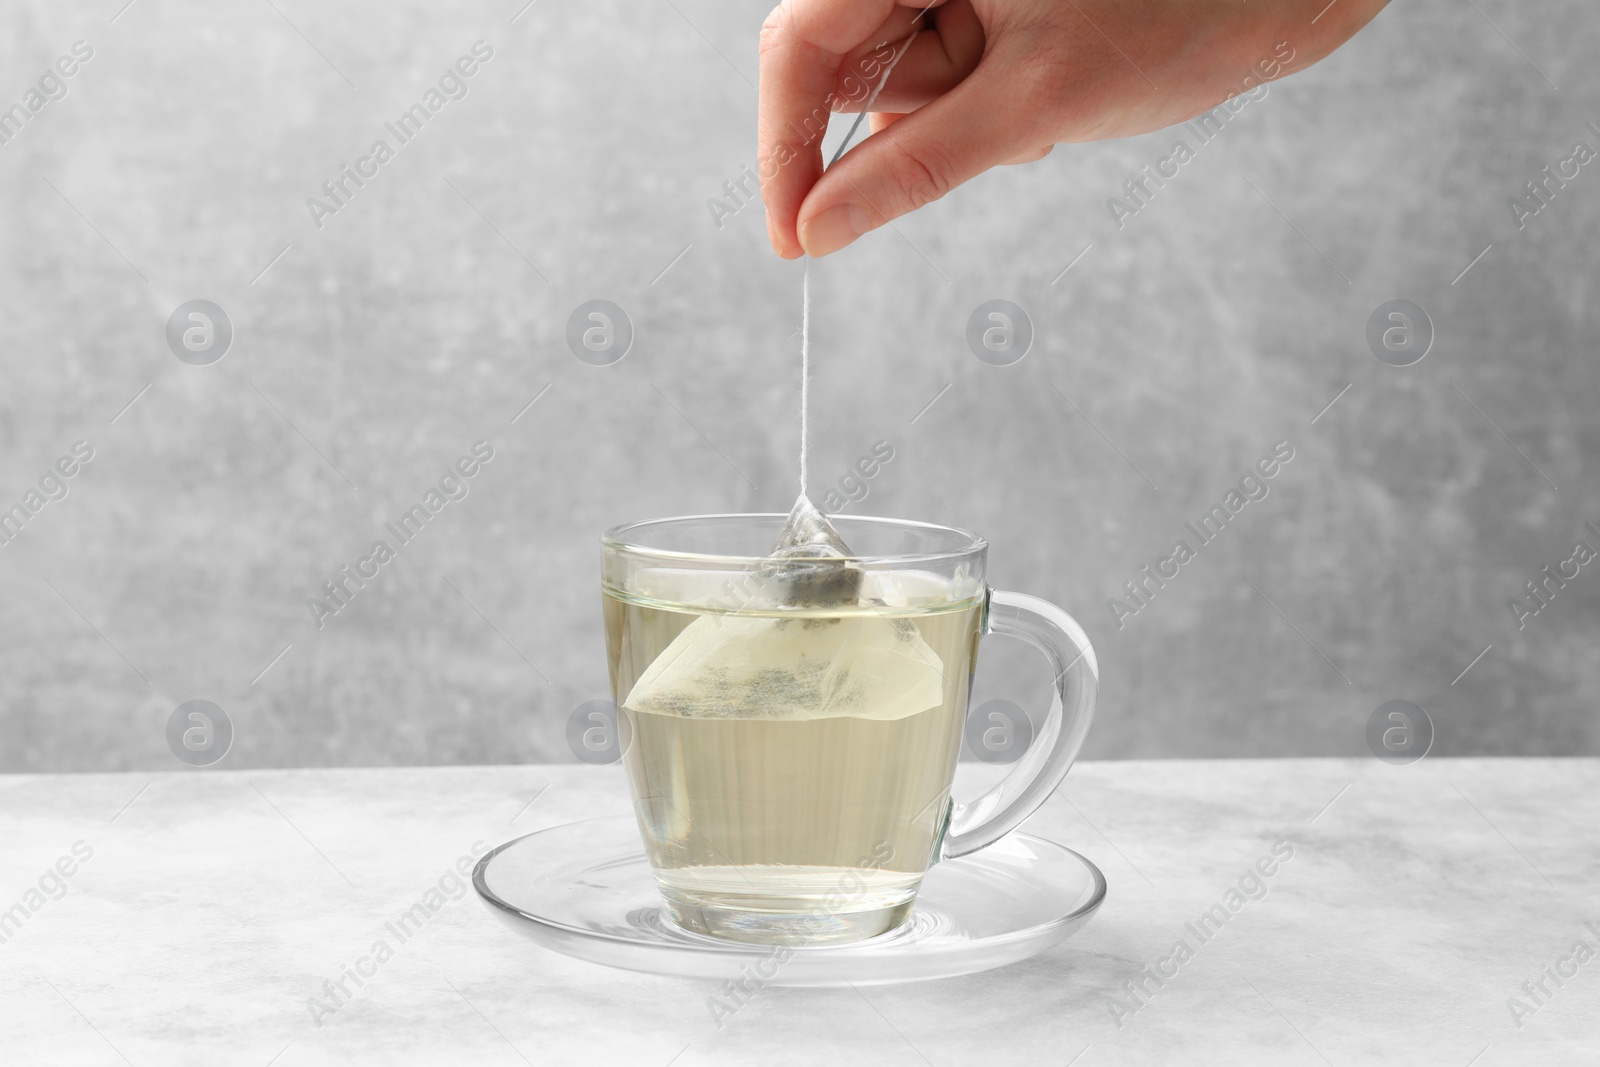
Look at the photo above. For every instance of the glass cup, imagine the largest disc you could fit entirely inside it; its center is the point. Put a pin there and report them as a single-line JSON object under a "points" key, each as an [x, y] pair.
{"points": [[790, 761]]}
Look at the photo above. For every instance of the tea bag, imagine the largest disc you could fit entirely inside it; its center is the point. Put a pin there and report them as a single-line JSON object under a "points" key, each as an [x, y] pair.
{"points": [[858, 663], [811, 563]]}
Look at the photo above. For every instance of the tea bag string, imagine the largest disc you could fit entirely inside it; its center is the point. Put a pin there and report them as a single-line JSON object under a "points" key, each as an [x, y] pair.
{"points": [[805, 277]]}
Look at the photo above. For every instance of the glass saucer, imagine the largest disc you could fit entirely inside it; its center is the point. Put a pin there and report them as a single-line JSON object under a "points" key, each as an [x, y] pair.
{"points": [[584, 889]]}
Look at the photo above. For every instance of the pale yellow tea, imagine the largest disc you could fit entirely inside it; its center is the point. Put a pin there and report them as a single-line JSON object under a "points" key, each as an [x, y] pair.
{"points": [[791, 761]]}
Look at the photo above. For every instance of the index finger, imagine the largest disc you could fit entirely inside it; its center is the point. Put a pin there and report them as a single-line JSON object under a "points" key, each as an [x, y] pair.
{"points": [[803, 43]]}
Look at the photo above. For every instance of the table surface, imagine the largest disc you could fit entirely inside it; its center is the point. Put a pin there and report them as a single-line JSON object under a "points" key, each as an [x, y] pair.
{"points": [[212, 907]]}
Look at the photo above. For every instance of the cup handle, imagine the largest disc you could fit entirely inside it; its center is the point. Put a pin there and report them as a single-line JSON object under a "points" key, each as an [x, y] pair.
{"points": [[1052, 631]]}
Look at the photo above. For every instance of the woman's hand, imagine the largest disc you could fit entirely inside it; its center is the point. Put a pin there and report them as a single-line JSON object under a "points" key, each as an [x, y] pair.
{"points": [[986, 82]]}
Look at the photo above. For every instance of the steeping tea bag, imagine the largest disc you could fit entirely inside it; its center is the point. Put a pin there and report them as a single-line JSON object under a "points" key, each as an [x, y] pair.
{"points": [[811, 562], [831, 648], [858, 662]]}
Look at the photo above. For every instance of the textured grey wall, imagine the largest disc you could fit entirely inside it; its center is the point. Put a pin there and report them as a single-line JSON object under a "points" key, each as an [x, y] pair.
{"points": [[424, 314]]}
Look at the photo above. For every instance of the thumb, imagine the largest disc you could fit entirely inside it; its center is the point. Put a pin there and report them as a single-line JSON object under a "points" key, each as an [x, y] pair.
{"points": [[990, 118]]}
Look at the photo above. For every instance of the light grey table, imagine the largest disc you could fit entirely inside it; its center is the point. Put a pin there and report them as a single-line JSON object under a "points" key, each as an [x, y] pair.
{"points": [[213, 906]]}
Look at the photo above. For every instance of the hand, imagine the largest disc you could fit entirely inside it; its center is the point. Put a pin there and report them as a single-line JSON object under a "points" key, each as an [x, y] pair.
{"points": [[987, 82]]}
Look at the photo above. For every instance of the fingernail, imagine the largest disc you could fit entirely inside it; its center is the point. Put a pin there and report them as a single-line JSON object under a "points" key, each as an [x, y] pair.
{"points": [[833, 229]]}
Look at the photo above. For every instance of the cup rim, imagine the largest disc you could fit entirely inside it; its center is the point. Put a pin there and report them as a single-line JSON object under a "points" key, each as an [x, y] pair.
{"points": [[617, 538]]}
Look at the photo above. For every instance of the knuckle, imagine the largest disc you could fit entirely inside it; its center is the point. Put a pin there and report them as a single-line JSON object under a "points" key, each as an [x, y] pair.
{"points": [[1051, 70], [1046, 77], [773, 29], [920, 176]]}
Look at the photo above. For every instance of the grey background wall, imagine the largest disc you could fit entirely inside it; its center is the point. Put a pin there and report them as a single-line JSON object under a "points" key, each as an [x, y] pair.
{"points": [[370, 353]]}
